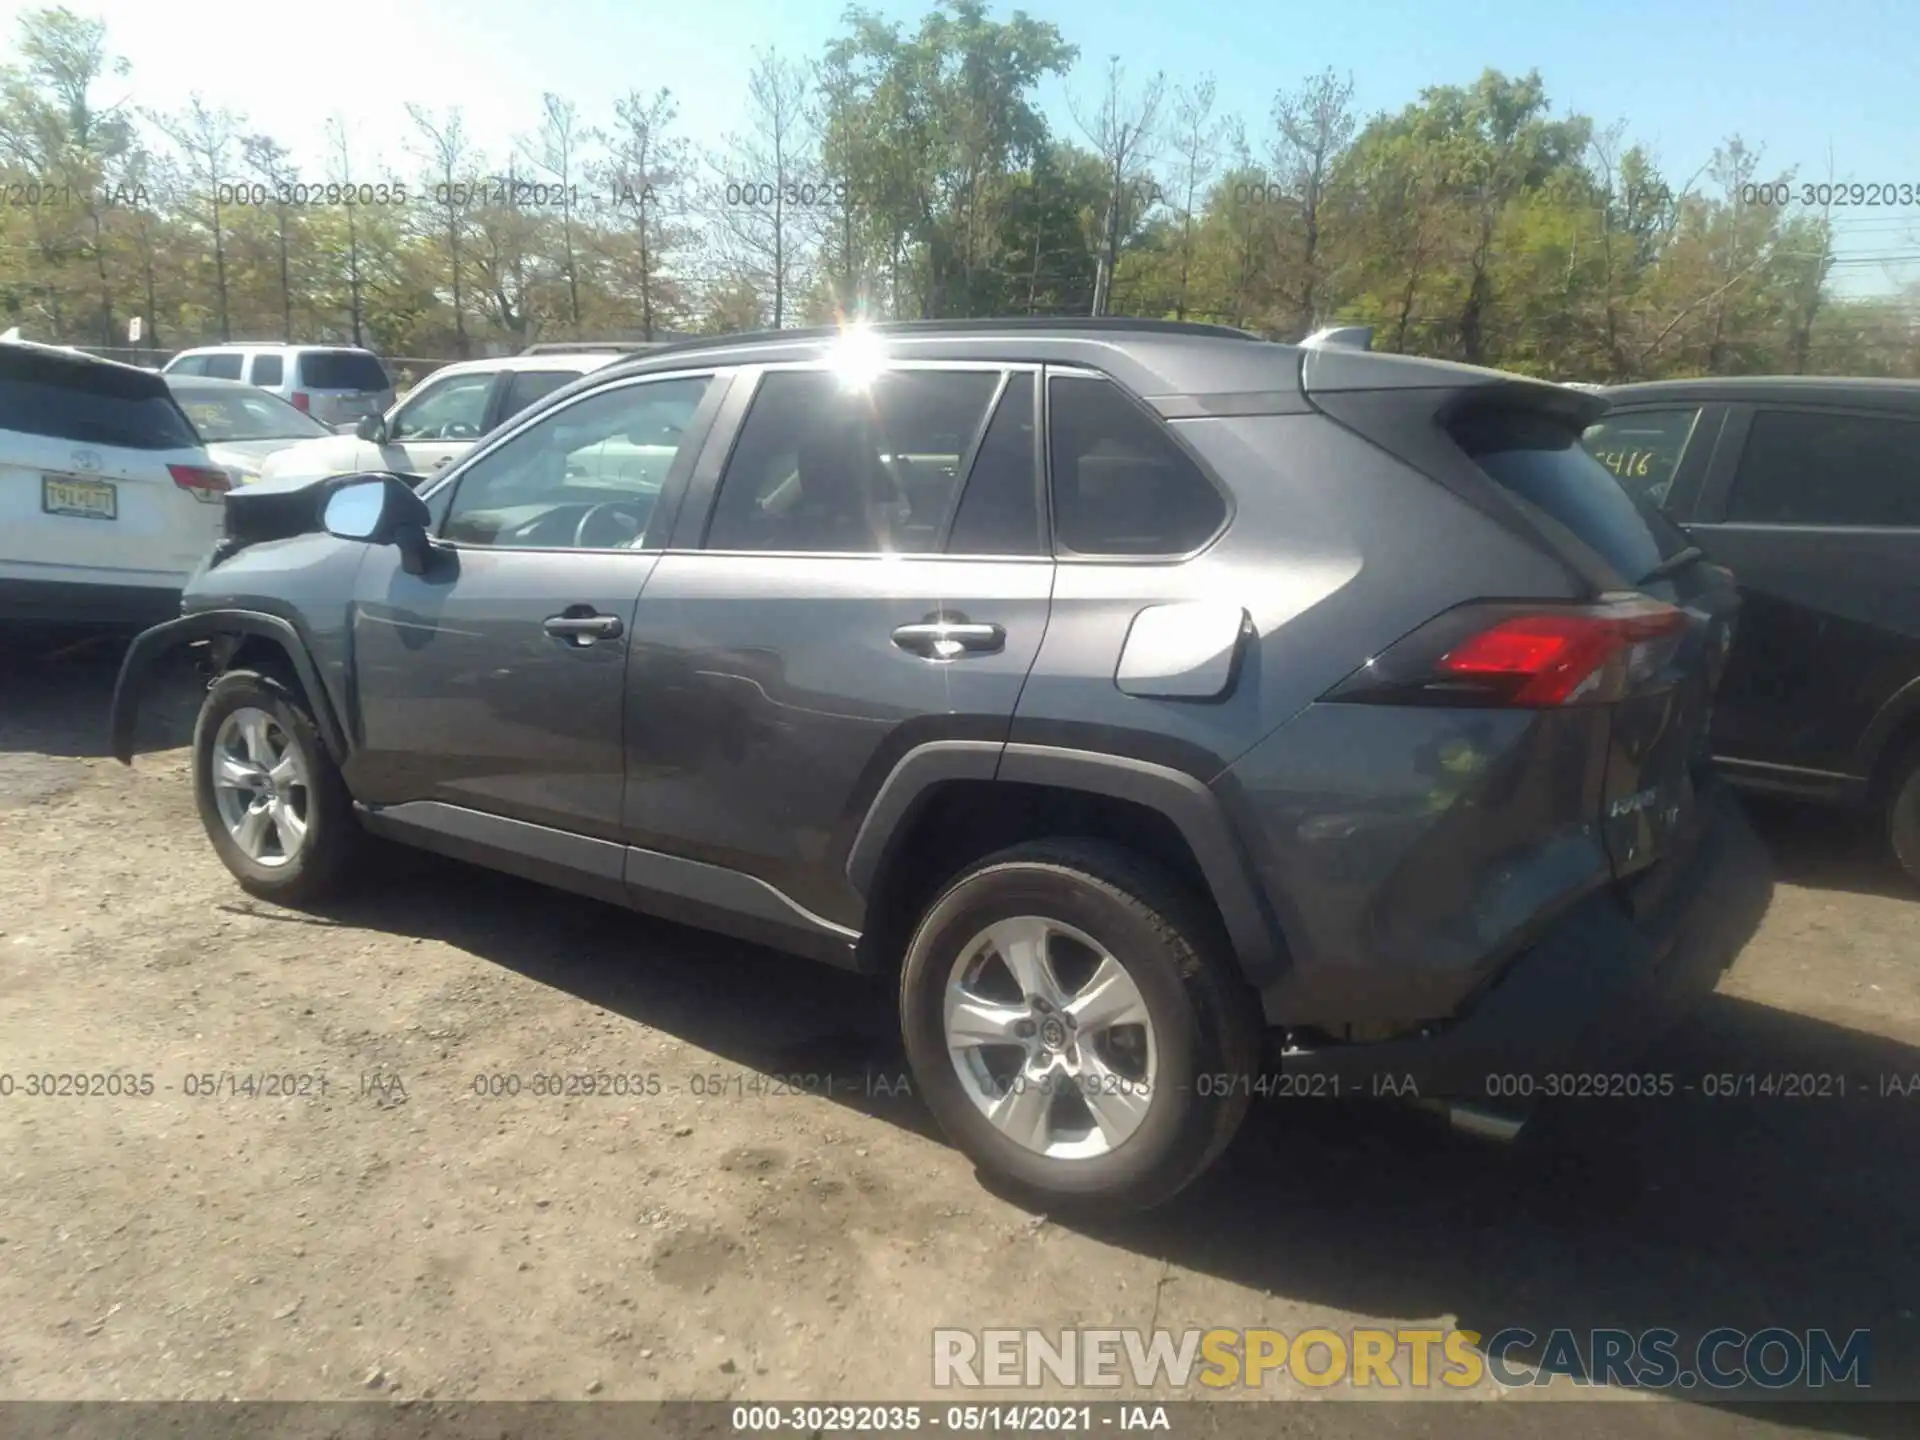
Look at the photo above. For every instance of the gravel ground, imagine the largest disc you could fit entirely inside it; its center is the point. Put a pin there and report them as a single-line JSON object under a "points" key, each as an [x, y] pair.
{"points": [[395, 1230]]}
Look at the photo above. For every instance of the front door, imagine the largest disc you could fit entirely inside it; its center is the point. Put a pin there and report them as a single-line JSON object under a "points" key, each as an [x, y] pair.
{"points": [[843, 598], [492, 688], [438, 423]]}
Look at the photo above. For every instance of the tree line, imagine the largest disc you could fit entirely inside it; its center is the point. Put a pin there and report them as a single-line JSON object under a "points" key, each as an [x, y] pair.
{"points": [[907, 171]]}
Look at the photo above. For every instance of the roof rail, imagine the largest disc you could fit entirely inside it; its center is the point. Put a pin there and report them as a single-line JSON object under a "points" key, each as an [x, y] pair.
{"points": [[595, 347], [1115, 324]]}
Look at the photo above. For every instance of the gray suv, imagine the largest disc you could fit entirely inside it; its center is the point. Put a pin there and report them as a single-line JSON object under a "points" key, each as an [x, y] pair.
{"points": [[1171, 716]]}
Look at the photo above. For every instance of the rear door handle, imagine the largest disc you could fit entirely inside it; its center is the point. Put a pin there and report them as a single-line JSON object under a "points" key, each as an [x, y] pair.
{"points": [[945, 640], [580, 625]]}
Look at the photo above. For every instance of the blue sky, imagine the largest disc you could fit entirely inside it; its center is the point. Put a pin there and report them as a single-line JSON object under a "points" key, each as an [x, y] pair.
{"points": [[1803, 80]]}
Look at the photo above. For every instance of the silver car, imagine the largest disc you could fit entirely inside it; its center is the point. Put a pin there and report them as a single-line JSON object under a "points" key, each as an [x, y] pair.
{"points": [[335, 384], [240, 424]]}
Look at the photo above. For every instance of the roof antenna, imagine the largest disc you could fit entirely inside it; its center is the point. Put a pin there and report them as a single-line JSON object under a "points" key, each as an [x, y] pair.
{"points": [[1352, 337]]}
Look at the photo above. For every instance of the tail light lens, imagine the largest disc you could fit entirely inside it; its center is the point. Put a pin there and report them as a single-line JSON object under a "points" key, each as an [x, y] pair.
{"points": [[204, 484], [302, 401], [1524, 656]]}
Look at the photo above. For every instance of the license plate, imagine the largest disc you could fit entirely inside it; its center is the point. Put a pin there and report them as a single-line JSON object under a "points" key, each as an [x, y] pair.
{"points": [[84, 499]]}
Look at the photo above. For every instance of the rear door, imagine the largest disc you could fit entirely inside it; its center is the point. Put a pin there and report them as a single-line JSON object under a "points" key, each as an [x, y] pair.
{"points": [[85, 451], [1817, 511], [834, 596]]}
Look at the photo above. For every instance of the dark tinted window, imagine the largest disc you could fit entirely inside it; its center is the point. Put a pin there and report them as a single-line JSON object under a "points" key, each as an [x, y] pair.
{"points": [[1643, 449], [225, 366], [269, 369], [1804, 468], [1121, 486], [1542, 461], [526, 386], [1000, 510], [341, 370], [88, 404], [820, 467]]}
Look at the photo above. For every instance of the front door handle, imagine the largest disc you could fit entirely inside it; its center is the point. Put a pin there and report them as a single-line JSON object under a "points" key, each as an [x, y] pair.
{"points": [[947, 640], [580, 625]]}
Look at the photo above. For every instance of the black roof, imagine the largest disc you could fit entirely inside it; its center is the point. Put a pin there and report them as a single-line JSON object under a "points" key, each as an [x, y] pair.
{"points": [[1869, 392]]}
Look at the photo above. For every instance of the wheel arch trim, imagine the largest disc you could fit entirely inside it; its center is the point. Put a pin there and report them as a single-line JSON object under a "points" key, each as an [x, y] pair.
{"points": [[1194, 810], [150, 646]]}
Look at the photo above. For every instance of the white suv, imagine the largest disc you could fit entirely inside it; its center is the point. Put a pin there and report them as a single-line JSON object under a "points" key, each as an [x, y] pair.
{"points": [[443, 417], [108, 499], [335, 384]]}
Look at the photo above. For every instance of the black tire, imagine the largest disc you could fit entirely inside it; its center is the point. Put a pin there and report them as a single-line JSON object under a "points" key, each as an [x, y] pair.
{"points": [[1903, 814], [1203, 1017], [334, 838]]}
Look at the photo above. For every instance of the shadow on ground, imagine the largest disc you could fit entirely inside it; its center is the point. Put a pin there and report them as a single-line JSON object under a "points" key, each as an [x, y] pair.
{"points": [[1688, 1213]]}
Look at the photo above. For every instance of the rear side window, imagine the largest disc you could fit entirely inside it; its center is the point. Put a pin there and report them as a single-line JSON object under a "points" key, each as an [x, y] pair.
{"points": [[1643, 449], [269, 370], [1000, 508], [1801, 467], [1121, 486], [823, 468], [1542, 461], [341, 370], [526, 386], [221, 367], [89, 404]]}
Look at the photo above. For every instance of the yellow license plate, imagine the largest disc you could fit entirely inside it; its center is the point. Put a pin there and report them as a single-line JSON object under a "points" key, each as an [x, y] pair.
{"points": [[86, 499]]}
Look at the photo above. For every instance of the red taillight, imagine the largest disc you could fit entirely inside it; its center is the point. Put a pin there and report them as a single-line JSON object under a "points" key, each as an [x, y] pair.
{"points": [[201, 482], [302, 401], [1530, 657]]}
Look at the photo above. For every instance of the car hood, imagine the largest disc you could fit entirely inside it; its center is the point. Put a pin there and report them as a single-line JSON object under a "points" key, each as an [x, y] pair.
{"points": [[322, 455]]}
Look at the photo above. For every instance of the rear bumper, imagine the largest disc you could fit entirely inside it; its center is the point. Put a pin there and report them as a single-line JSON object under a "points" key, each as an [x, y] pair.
{"points": [[67, 602], [1573, 1014]]}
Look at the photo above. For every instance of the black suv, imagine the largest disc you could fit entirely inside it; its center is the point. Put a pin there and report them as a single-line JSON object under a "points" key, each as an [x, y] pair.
{"points": [[1809, 491], [1128, 694]]}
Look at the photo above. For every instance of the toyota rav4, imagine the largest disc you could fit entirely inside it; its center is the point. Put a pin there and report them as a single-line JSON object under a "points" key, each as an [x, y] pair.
{"points": [[1150, 704]]}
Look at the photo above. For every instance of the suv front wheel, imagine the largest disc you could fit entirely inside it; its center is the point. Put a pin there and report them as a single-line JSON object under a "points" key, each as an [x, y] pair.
{"points": [[1073, 1019], [270, 796]]}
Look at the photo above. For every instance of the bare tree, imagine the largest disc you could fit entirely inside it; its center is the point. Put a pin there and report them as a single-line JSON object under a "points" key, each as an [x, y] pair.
{"points": [[342, 166], [759, 177], [557, 153], [1314, 127], [1122, 132], [645, 164], [268, 158], [1197, 138], [205, 139], [447, 156]]}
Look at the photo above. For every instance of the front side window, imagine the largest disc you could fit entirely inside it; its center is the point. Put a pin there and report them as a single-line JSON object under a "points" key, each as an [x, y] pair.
{"points": [[1121, 486], [821, 467], [1643, 449], [1803, 467], [585, 477], [453, 409]]}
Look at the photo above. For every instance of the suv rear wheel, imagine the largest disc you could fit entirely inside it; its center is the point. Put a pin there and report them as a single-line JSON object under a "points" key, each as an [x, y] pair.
{"points": [[1074, 1021], [270, 796]]}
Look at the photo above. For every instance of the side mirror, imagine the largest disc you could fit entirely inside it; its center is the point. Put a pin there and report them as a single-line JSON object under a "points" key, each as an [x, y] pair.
{"points": [[372, 428], [381, 510]]}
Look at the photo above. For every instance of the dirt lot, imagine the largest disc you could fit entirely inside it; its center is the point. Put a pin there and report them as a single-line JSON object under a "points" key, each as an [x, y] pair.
{"points": [[401, 1233]]}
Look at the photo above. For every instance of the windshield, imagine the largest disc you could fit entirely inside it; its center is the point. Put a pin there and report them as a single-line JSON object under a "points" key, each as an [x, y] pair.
{"points": [[220, 414]]}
